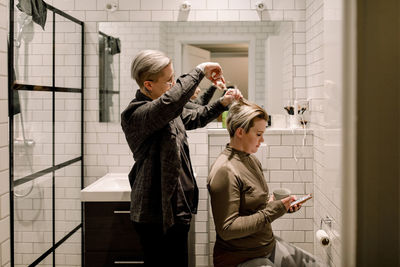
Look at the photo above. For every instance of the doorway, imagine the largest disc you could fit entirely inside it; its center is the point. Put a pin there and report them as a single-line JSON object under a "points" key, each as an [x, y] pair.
{"points": [[233, 58]]}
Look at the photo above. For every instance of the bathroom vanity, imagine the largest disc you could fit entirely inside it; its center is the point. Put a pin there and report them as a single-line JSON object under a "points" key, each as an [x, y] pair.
{"points": [[109, 237]]}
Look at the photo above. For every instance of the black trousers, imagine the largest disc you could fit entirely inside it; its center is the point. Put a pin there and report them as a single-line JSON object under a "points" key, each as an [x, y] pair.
{"points": [[163, 249]]}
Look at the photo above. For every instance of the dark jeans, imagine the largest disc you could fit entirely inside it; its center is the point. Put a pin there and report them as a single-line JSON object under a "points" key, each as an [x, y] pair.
{"points": [[169, 249]]}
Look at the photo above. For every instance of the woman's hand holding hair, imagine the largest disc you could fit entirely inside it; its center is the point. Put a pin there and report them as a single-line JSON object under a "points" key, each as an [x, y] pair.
{"points": [[230, 96]]}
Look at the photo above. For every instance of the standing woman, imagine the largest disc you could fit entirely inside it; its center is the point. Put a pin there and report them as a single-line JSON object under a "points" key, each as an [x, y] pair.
{"points": [[242, 210], [164, 192]]}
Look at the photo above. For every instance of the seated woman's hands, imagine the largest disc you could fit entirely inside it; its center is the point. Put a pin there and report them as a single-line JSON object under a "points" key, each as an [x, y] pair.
{"points": [[287, 201]]}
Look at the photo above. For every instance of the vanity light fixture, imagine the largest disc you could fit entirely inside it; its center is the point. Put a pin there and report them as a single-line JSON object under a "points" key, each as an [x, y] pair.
{"points": [[111, 6], [260, 5], [185, 6]]}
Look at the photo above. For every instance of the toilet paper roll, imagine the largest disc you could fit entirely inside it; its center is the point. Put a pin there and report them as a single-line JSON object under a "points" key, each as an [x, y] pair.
{"points": [[322, 238]]}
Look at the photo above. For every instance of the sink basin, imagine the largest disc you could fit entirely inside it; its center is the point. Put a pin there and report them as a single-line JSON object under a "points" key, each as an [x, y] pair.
{"points": [[110, 187]]}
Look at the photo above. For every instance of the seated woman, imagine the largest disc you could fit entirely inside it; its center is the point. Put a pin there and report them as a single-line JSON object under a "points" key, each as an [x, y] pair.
{"points": [[242, 210]]}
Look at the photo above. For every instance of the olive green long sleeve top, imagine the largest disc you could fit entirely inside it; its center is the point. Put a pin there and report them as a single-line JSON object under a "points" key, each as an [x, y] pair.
{"points": [[241, 210]]}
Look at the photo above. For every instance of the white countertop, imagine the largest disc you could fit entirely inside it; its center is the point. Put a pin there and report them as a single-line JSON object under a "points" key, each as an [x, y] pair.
{"points": [[112, 187]]}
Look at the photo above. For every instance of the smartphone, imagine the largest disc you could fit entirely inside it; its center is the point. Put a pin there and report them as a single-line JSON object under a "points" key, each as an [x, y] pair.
{"points": [[301, 200]]}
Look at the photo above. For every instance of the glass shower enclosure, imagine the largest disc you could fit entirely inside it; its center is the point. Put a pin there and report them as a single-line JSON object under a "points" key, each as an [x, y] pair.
{"points": [[46, 138]]}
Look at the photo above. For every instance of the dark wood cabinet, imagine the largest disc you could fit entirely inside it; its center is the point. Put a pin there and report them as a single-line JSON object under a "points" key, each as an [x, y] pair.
{"points": [[109, 236]]}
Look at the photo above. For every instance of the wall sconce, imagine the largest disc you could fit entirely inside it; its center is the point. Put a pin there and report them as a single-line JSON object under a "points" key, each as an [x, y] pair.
{"points": [[185, 6], [260, 5], [111, 6]]}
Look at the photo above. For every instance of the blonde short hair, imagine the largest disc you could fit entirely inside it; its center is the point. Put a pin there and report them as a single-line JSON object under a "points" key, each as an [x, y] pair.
{"points": [[147, 66], [242, 114]]}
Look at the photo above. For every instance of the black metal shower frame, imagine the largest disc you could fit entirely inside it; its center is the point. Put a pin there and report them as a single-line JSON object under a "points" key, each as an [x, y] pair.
{"points": [[15, 86]]}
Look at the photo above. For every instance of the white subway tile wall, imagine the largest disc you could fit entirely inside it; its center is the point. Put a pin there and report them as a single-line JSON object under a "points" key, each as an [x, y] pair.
{"points": [[4, 170], [321, 60], [286, 171], [100, 139]]}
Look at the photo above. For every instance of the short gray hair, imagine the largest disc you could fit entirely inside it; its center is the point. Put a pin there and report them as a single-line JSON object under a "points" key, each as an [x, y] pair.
{"points": [[242, 114], [147, 65]]}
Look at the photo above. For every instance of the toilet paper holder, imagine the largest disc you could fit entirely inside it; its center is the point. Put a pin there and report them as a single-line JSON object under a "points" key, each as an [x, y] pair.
{"points": [[327, 220]]}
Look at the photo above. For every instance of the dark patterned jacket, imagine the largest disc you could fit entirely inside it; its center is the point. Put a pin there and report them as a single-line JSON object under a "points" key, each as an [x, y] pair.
{"points": [[154, 130]]}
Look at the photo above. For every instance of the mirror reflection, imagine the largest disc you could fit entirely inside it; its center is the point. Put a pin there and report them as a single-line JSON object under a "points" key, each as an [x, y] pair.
{"points": [[257, 57], [109, 66]]}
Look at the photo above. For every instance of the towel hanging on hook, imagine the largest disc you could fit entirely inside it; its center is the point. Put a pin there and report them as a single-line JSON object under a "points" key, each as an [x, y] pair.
{"points": [[114, 44], [35, 8]]}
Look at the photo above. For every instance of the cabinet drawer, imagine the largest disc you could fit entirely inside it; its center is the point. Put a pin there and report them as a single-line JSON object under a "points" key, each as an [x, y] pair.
{"points": [[96, 259], [108, 228], [106, 215], [114, 240]]}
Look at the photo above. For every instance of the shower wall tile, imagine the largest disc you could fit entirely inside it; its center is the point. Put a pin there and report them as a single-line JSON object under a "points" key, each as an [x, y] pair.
{"points": [[239, 4], [3, 87], [3, 67], [206, 15], [170, 4], [4, 16], [281, 151], [129, 4], [85, 5], [4, 156], [151, 5], [3, 40], [4, 181], [272, 15], [118, 16], [5, 253], [283, 4], [64, 4], [300, 4], [249, 15], [4, 229], [222, 4], [139, 16], [162, 15], [293, 15], [230, 15], [3, 111], [96, 16]]}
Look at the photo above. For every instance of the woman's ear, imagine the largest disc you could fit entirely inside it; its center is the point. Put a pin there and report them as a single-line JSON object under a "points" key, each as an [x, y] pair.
{"points": [[239, 132], [148, 85]]}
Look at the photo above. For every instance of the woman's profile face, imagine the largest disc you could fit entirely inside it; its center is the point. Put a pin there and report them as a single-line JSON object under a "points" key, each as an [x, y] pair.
{"points": [[252, 140]]}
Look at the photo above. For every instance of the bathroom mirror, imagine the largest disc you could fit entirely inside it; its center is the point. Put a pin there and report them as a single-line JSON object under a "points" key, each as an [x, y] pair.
{"points": [[257, 57], [109, 78]]}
